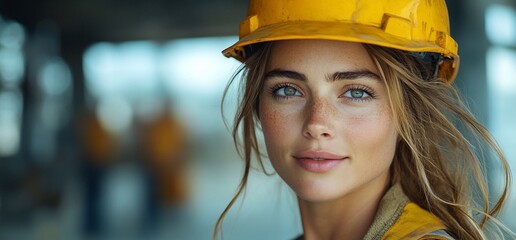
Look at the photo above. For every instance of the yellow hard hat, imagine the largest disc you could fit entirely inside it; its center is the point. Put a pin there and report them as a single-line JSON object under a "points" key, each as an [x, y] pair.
{"points": [[410, 25]]}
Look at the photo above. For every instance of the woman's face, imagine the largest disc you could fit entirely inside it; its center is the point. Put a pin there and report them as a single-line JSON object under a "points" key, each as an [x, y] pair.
{"points": [[326, 119]]}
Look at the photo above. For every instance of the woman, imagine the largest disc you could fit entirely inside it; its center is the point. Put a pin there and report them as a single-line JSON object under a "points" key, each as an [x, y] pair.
{"points": [[360, 119]]}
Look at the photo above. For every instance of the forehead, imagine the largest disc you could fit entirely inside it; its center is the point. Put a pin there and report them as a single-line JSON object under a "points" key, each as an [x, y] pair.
{"points": [[321, 54]]}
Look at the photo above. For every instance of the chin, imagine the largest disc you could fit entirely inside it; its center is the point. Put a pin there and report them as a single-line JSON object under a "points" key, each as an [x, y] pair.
{"points": [[317, 193], [314, 198]]}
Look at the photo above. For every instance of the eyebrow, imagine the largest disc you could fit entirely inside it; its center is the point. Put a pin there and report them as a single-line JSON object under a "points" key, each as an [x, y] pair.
{"points": [[344, 75], [353, 75], [285, 74]]}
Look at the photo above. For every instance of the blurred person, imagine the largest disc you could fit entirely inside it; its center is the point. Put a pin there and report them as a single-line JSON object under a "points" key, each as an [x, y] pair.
{"points": [[164, 145], [100, 149], [360, 118]]}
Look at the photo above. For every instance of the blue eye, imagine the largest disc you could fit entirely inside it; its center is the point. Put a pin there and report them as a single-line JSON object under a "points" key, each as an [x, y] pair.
{"points": [[287, 91], [356, 94]]}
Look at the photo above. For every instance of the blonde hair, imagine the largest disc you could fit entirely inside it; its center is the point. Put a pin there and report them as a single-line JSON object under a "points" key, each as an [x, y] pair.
{"points": [[437, 166]]}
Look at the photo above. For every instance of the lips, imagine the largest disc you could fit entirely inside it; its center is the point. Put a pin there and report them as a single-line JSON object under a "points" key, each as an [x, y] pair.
{"points": [[318, 161]]}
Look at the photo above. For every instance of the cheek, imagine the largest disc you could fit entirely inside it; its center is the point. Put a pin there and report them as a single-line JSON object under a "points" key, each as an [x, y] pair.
{"points": [[275, 126], [374, 136], [280, 126]]}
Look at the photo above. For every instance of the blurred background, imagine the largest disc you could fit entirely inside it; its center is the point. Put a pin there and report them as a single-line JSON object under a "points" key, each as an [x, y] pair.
{"points": [[111, 126]]}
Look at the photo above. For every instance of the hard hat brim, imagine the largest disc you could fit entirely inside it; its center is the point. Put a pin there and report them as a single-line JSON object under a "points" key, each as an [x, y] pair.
{"points": [[339, 31]]}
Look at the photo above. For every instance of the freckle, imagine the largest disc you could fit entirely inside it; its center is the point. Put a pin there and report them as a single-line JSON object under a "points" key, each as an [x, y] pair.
{"points": [[323, 109], [273, 123], [271, 115]]}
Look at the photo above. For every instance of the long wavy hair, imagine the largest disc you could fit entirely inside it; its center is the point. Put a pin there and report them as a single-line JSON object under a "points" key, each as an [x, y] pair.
{"points": [[442, 154]]}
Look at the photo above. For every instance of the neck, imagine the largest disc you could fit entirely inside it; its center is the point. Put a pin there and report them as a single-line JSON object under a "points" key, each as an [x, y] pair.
{"points": [[348, 217]]}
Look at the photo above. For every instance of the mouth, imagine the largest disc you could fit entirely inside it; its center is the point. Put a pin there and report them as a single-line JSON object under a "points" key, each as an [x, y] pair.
{"points": [[318, 155], [318, 161]]}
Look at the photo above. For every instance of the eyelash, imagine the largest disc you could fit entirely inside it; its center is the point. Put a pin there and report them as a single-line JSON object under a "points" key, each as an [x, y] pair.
{"points": [[371, 95], [275, 88], [366, 90]]}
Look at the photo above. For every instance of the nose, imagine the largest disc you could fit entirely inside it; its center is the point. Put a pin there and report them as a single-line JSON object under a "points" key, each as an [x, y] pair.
{"points": [[318, 120]]}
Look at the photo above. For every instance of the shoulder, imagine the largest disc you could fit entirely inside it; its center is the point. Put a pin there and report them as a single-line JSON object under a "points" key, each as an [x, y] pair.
{"points": [[417, 223]]}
